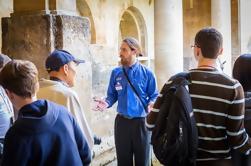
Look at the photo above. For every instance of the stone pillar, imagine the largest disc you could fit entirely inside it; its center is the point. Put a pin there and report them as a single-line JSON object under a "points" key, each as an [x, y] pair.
{"points": [[245, 26], [45, 6], [168, 22], [30, 35], [221, 20], [25, 6]]}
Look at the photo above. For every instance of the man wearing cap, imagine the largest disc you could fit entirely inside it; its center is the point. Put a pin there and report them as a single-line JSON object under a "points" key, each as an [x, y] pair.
{"points": [[61, 66]]}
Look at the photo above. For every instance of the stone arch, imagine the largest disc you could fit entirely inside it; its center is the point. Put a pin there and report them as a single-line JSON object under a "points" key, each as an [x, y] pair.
{"points": [[85, 11], [132, 23]]}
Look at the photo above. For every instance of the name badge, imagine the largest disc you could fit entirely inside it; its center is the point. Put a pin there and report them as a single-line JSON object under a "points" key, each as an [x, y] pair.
{"points": [[118, 86]]}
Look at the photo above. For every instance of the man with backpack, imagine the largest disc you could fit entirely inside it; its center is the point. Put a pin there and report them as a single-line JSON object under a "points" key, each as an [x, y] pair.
{"points": [[217, 103]]}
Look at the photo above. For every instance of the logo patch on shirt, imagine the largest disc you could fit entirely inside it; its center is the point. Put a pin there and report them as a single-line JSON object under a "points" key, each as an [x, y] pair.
{"points": [[118, 86], [118, 78]]}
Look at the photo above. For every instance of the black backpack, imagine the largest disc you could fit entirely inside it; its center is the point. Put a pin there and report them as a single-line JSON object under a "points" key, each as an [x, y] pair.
{"points": [[174, 137]]}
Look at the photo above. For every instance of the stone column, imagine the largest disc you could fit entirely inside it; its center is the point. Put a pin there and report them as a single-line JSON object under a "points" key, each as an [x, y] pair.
{"points": [[45, 6], [245, 26], [32, 33], [168, 22], [221, 20]]}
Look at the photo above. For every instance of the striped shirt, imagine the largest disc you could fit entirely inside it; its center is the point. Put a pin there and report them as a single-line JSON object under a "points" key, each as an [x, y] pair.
{"points": [[218, 106]]}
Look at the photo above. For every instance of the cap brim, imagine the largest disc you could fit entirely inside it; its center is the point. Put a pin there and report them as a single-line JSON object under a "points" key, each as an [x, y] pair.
{"points": [[78, 61]]}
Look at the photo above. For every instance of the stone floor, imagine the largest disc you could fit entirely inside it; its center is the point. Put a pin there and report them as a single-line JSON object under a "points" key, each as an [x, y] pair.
{"points": [[105, 154], [155, 163], [114, 163]]}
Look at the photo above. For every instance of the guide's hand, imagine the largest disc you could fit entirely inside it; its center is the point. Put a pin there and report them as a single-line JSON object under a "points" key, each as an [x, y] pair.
{"points": [[101, 104]]}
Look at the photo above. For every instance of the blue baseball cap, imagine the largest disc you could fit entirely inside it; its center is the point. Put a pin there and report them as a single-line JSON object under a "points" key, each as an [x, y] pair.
{"points": [[59, 58]]}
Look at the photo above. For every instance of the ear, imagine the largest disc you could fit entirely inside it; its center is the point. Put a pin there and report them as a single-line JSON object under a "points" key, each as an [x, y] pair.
{"points": [[9, 94], [197, 51], [134, 52], [221, 51], [66, 69]]}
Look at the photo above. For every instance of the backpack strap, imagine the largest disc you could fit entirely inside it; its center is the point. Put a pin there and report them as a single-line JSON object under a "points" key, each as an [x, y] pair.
{"points": [[134, 90], [183, 78]]}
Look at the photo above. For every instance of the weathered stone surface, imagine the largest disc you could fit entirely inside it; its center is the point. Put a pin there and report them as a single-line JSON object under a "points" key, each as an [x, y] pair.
{"points": [[27, 37], [101, 70], [75, 38]]}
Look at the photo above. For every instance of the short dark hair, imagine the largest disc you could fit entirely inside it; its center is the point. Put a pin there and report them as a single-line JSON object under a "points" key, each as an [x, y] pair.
{"points": [[209, 40], [242, 71], [20, 77]]}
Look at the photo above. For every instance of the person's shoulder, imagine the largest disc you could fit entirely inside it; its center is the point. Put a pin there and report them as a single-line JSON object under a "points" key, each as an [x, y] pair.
{"points": [[13, 131], [145, 69], [116, 71], [214, 77], [51, 86], [229, 79], [52, 105], [43, 83], [56, 87], [58, 109]]}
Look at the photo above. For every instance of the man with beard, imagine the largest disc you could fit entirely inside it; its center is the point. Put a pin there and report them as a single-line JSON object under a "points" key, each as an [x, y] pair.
{"points": [[134, 87]]}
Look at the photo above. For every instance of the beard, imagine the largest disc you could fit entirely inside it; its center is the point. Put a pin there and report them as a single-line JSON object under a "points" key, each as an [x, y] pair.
{"points": [[124, 62]]}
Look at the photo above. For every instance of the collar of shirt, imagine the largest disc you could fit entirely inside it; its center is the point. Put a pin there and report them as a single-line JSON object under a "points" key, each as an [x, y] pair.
{"points": [[133, 67], [58, 80]]}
